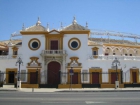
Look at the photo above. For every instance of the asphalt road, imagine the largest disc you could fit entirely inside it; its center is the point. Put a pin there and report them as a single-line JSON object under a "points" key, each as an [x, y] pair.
{"points": [[70, 98]]}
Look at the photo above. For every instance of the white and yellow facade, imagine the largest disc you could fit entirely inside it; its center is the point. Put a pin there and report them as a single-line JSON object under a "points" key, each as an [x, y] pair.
{"points": [[54, 52]]}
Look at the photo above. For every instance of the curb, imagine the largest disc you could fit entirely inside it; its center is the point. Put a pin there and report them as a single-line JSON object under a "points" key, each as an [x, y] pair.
{"points": [[7, 90], [101, 91]]}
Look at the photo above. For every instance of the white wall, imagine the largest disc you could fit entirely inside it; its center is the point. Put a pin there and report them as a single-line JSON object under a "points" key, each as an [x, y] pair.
{"points": [[81, 53], [106, 64], [100, 50], [27, 52]]}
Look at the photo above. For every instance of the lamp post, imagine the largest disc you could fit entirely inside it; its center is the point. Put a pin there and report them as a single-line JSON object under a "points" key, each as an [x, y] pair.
{"points": [[71, 73], [116, 62], [19, 62]]}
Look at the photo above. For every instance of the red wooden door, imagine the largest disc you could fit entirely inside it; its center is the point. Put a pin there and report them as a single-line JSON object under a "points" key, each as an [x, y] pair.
{"points": [[33, 78], [53, 73], [113, 78], [134, 77], [75, 78], [54, 44], [95, 77]]}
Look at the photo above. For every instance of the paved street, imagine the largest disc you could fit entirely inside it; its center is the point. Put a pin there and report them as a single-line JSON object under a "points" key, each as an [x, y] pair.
{"points": [[69, 98]]}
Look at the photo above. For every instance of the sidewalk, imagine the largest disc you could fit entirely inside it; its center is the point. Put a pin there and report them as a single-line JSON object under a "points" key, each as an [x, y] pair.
{"points": [[72, 90]]}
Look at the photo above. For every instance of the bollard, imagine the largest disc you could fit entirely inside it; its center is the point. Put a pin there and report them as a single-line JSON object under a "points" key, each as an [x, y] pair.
{"points": [[32, 89]]}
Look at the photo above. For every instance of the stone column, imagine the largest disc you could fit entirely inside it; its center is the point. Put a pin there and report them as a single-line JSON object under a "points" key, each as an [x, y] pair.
{"points": [[42, 74], [63, 76]]}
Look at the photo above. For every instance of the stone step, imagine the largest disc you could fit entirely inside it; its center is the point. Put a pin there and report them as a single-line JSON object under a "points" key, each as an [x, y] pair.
{"points": [[8, 86]]}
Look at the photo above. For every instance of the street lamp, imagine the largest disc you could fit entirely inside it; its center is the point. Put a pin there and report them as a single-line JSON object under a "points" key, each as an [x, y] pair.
{"points": [[116, 62], [71, 73], [19, 62]]}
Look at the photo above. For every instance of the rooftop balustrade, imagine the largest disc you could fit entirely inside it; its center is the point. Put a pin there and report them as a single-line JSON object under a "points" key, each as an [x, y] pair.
{"points": [[112, 57]]}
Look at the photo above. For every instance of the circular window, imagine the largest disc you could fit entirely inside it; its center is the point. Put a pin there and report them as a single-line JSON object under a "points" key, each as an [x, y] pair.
{"points": [[34, 44], [74, 44]]}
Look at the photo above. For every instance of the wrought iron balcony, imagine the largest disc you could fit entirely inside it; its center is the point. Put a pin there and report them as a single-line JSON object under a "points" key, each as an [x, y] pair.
{"points": [[53, 52]]}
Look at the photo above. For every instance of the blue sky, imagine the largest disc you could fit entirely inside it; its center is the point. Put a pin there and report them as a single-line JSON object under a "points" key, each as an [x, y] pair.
{"points": [[115, 15]]}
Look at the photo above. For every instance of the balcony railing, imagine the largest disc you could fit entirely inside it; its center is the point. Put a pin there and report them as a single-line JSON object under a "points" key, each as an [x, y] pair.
{"points": [[10, 56], [112, 57], [56, 52]]}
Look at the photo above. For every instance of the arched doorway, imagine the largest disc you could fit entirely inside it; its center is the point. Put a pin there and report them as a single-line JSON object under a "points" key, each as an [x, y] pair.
{"points": [[54, 73]]}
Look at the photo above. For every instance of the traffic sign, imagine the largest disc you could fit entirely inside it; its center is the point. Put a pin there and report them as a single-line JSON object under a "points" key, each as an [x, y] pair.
{"points": [[71, 71]]}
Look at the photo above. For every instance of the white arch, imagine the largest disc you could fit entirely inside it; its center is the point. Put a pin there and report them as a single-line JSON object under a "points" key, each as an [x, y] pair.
{"points": [[132, 49]]}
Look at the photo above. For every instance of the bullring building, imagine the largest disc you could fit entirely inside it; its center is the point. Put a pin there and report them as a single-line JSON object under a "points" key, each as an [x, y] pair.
{"points": [[48, 55]]}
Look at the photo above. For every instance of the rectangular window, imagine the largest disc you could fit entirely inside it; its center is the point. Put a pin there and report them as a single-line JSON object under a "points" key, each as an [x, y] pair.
{"points": [[125, 54], [15, 53], [23, 75], [85, 75], [130, 54], [114, 54], [106, 54], [94, 52], [54, 45]]}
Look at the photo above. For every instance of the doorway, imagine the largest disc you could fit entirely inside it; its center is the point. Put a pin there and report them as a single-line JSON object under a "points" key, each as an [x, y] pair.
{"points": [[75, 78], [95, 77], [11, 77], [54, 73], [134, 77], [113, 77], [33, 77]]}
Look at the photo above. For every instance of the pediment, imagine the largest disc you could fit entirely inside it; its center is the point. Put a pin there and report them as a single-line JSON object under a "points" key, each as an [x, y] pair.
{"points": [[54, 32]]}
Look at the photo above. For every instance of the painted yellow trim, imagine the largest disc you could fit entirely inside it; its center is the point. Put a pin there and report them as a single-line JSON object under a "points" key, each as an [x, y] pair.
{"points": [[34, 59], [54, 31], [95, 49], [69, 86], [119, 75], [61, 32], [29, 85], [68, 67], [39, 44], [33, 70], [79, 43], [75, 71], [14, 56], [15, 49], [33, 67], [95, 56], [111, 85], [47, 43], [74, 59], [33, 32], [7, 74], [131, 75], [50, 37], [99, 70]]}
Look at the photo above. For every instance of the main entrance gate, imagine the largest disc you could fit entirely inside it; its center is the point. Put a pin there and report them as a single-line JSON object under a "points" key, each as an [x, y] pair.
{"points": [[53, 74]]}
